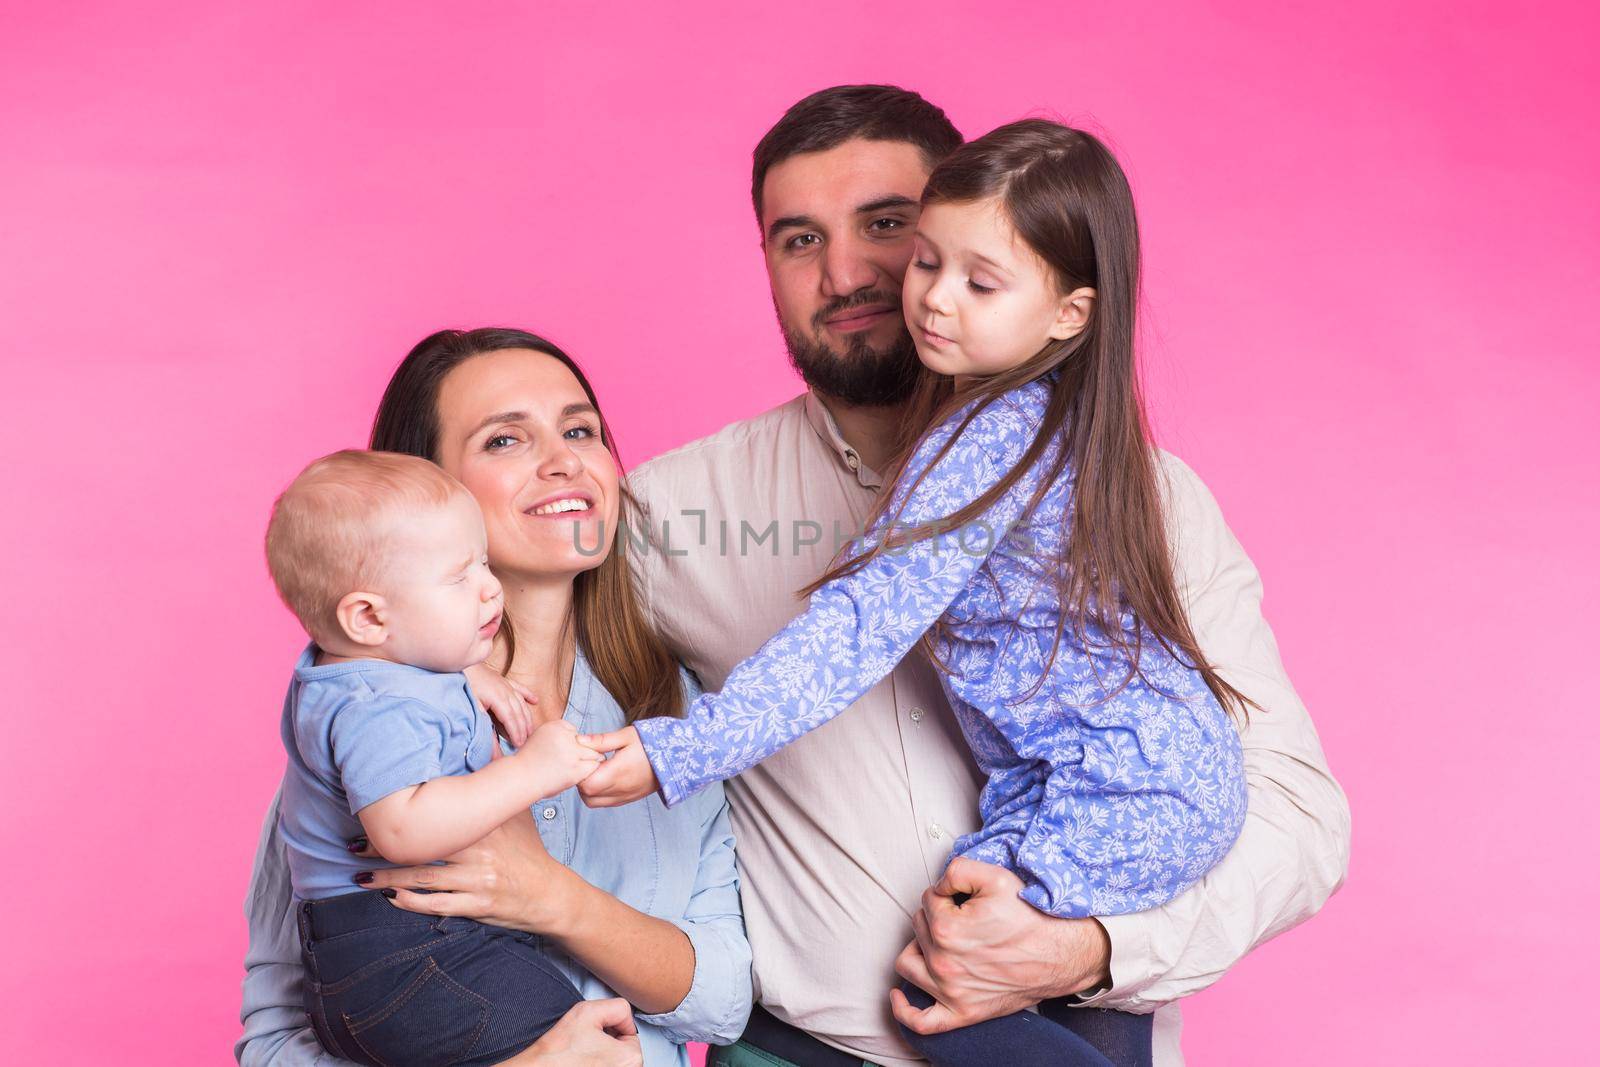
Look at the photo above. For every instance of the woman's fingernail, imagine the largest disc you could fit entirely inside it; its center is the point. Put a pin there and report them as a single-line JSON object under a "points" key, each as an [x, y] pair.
{"points": [[364, 878], [358, 845], [390, 893]]}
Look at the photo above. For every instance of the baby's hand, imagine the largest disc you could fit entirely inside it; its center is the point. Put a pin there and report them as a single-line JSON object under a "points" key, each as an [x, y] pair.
{"points": [[556, 757], [509, 703], [627, 776]]}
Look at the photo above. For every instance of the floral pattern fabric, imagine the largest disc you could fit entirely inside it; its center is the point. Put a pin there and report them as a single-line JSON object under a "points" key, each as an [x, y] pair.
{"points": [[1107, 793]]}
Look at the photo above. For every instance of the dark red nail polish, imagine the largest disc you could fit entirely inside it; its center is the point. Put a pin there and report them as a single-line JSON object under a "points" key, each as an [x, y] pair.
{"points": [[358, 845], [390, 893], [363, 878]]}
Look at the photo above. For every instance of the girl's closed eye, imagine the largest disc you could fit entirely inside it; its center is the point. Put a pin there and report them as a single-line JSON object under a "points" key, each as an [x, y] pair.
{"points": [[981, 290]]}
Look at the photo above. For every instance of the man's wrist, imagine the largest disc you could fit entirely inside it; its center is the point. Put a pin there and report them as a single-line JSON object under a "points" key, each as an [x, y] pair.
{"points": [[1100, 979], [1085, 955]]}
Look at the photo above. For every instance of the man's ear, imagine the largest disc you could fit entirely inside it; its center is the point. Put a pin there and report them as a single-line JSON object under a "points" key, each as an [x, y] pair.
{"points": [[361, 618], [1072, 314]]}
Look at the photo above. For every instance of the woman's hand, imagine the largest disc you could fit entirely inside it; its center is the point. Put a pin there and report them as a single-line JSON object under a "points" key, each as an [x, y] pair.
{"points": [[509, 703], [504, 879], [595, 1033], [625, 777]]}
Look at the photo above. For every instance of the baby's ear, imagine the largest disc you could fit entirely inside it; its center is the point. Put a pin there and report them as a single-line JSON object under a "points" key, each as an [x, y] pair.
{"points": [[360, 616], [1072, 314]]}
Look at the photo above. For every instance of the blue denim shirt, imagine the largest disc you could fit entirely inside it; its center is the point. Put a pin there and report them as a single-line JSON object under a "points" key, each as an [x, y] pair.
{"points": [[676, 865]]}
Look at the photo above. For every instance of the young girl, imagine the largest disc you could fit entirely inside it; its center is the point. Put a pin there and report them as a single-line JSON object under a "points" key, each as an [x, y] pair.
{"points": [[1022, 542]]}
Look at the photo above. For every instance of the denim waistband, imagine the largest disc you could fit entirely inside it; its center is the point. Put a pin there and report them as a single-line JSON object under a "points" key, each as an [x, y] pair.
{"points": [[772, 1035], [350, 912]]}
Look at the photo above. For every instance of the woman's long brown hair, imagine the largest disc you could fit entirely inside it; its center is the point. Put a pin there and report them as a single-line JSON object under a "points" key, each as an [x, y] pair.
{"points": [[626, 654], [1065, 195]]}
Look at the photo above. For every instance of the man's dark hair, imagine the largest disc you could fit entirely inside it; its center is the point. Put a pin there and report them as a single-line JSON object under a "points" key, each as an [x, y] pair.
{"points": [[830, 117]]}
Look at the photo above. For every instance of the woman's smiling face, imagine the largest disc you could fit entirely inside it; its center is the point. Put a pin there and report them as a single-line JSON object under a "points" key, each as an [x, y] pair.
{"points": [[517, 429]]}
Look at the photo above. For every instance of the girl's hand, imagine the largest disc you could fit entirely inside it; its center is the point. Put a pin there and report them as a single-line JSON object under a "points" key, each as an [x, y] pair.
{"points": [[625, 777], [508, 702]]}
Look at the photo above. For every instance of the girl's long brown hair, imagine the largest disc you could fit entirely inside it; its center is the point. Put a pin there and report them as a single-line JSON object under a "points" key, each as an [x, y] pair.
{"points": [[626, 654], [1065, 195]]}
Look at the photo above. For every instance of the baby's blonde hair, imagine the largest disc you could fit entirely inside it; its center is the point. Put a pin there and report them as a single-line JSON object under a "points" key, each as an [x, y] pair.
{"points": [[331, 530]]}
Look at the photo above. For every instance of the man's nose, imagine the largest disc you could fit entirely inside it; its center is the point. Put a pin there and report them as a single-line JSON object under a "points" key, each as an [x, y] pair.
{"points": [[846, 269]]}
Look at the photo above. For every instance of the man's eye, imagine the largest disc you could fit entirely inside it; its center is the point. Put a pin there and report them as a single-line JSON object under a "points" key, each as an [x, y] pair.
{"points": [[886, 225], [799, 241]]}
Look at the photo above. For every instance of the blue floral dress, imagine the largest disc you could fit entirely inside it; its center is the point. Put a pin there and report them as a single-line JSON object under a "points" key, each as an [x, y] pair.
{"points": [[1103, 798]]}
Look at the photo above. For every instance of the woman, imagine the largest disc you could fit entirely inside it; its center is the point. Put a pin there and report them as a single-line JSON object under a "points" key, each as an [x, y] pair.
{"points": [[638, 902]]}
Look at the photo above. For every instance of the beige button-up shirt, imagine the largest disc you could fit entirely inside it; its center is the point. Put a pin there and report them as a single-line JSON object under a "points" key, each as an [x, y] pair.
{"points": [[839, 833]]}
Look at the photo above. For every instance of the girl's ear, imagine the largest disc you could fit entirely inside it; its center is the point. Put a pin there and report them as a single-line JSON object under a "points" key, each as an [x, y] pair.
{"points": [[1072, 315], [361, 618]]}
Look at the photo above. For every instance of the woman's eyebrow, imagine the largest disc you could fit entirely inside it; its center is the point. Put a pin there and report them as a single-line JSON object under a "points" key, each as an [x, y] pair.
{"points": [[504, 416], [523, 416]]}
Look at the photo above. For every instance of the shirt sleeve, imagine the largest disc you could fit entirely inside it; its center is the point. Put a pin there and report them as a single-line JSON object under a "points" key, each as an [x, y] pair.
{"points": [[1295, 847], [272, 1008], [383, 744], [858, 627], [717, 1005]]}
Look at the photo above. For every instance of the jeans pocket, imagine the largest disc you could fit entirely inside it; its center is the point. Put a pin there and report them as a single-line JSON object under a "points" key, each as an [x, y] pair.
{"points": [[429, 1019]]}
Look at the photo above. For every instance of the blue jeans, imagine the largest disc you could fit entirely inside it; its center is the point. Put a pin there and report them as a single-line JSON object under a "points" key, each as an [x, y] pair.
{"points": [[1059, 1035], [390, 987]]}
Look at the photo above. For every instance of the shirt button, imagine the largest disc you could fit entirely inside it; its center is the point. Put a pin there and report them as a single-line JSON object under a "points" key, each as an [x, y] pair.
{"points": [[935, 831], [852, 461], [916, 715], [548, 814]]}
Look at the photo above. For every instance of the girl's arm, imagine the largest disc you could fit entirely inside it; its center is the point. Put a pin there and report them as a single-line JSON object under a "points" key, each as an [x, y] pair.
{"points": [[856, 629], [423, 823]]}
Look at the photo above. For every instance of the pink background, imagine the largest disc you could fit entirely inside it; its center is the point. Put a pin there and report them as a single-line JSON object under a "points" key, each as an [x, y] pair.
{"points": [[1372, 264]]}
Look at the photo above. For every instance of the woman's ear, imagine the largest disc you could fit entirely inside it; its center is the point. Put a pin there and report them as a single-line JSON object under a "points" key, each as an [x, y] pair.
{"points": [[361, 618], [1072, 314]]}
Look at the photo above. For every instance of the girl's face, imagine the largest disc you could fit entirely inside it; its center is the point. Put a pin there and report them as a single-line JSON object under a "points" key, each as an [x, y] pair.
{"points": [[517, 429], [977, 299]]}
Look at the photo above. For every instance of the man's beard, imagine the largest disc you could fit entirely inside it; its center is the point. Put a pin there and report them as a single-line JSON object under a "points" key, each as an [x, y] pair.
{"points": [[861, 376]]}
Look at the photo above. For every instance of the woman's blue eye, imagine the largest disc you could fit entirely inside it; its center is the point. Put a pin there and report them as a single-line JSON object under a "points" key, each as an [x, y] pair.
{"points": [[587, 431], [490, 443]]}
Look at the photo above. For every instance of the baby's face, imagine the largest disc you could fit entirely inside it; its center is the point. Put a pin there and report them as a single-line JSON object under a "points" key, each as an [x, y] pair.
{"points": [[443, 603]]}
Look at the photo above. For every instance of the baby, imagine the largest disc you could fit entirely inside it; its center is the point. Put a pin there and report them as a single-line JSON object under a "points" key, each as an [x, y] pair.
{"points": [[383, 559]]}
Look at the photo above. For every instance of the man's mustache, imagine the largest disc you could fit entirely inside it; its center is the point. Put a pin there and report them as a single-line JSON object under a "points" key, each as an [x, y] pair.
{"points": [[866, 298]]}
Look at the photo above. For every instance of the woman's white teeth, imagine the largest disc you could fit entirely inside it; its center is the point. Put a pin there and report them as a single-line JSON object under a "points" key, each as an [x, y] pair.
{"points": [[562, 505]]}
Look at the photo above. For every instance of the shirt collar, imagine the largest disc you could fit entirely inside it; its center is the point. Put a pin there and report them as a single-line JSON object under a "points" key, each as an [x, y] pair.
{"points": [[821, 420]]}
